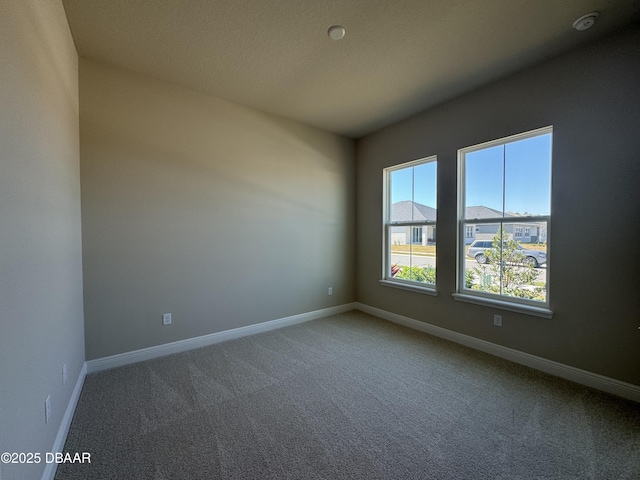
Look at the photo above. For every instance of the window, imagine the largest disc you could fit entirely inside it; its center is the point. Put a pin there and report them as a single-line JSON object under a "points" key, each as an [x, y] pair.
{"points": [[468, 231], [505, 191], [409, 255], [416, 237]]}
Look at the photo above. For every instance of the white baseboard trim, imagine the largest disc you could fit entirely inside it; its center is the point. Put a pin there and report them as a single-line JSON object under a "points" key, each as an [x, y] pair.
{"points": [[583, 377], [61, 437], [149, 353]]}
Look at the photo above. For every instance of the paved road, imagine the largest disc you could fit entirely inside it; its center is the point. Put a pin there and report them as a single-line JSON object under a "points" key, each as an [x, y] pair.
{"points": [[424, 261]]}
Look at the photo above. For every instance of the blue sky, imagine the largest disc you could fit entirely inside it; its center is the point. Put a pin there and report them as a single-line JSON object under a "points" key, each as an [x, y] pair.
{"points": [[423, 177], [517, 173], [526, 168]]}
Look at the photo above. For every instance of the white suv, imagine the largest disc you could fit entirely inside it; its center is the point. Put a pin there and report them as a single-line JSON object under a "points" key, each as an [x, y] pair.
{"points": [[535, 258]]}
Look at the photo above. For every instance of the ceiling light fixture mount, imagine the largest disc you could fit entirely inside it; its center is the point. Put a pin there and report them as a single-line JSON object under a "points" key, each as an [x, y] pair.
{"points": [[336, 32], [585, 21]]}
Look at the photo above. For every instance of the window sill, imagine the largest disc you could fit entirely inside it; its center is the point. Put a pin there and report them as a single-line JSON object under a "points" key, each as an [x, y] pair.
{"points": [[504, 305], [412, 288]]}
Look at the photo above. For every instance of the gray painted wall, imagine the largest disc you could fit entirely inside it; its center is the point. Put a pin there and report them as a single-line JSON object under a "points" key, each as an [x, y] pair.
{"points": [[41, 320], [217, 213], [592, 99]]}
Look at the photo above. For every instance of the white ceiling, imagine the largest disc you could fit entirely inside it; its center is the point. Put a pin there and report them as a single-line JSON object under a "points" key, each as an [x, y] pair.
{"points": [[398, 57]]}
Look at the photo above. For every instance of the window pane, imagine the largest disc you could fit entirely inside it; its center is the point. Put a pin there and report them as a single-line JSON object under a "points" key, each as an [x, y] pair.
{"points": [[412, 200], [413, 253], [483, 183], [401, 195], [508, 184], [425, 185], [528, 176], [413, 193], [506, 262]]}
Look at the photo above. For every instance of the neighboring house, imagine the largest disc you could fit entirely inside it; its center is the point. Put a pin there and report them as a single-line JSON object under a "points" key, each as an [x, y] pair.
{"points": [[408, 211], [524, 232]]}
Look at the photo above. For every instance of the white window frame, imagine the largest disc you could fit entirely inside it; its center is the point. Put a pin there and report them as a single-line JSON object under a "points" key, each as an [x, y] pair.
{"points": [[504, 302], [387, 279]]}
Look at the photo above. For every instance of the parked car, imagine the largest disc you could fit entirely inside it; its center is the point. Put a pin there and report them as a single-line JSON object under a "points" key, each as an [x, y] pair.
{"points": [[477, 250]]}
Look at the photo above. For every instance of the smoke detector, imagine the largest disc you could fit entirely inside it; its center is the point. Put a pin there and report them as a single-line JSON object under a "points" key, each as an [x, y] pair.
{"points": [[585, 21]]}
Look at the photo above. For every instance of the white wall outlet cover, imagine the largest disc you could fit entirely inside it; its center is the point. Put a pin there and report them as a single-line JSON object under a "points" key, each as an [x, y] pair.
{"points": [[64, 374], [497, 320], [166, 319]]}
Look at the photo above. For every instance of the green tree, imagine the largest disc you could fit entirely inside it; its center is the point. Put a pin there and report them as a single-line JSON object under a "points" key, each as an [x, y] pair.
{"points": [[507, 272]]}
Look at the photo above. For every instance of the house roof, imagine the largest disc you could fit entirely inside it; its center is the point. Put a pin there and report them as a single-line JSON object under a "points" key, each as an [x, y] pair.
{"points": [[398, 57], [408, 211], [480, 211]]}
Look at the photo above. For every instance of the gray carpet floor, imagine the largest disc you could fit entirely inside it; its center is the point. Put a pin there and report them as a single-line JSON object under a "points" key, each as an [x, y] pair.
{"points": [[347, 397]]}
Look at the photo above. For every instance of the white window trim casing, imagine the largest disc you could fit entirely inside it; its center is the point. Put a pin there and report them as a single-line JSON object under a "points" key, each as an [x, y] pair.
{"points": [[520, 305], [386, 279]]}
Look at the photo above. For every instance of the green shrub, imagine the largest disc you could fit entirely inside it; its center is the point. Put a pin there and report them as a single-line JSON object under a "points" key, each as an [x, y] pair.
{"points": [[417, 274], [469, 278]]}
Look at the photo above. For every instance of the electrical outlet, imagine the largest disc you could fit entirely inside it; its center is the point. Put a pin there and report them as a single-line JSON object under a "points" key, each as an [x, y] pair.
{"points": [[47, 409], [64, 374], [330, 291], [497, 320], [166, 319]]}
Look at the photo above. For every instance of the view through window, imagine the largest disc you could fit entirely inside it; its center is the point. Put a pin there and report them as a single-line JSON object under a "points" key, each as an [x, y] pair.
{"points": [[504, 220], [410, 222]]}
